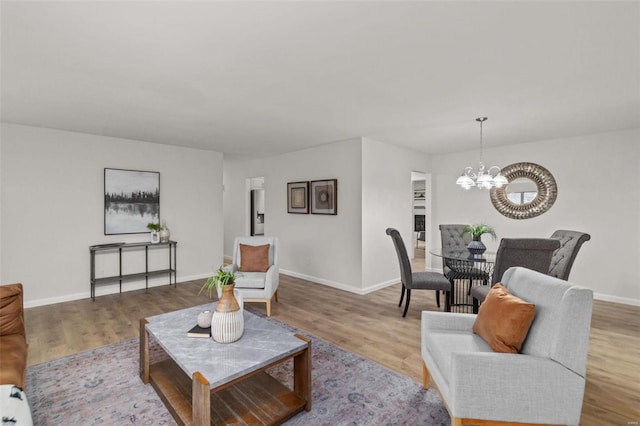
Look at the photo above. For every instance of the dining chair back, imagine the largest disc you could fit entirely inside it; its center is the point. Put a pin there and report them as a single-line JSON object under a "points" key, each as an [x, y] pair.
{"points": [[453, 241], [530, 253], [565, 255]]}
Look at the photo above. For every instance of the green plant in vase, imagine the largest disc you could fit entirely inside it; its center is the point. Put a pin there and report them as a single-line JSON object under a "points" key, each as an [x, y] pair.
{"points": [[476, 246], [154, 227], [222, 278], [155, 231]]}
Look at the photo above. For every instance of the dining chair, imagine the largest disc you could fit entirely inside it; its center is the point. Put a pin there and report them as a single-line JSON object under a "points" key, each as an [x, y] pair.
{"points": [[530, 253], [417, 280], [563, 257], [453, 240]]}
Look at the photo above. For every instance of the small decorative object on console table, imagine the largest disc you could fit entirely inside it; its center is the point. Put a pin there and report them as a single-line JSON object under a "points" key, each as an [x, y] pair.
{"points": [[164, 232], [155, 232], [227, 322], [476, 247]]}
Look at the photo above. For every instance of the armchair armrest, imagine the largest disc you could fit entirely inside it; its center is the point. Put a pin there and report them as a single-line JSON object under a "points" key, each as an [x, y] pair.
{"points": [[447, 321], [230, 268], [272, 279], [514, 387]]}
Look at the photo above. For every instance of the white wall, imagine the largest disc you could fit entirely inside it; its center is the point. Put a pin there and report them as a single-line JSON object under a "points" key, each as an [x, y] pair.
{"points": [[322, 248], [387, 201], [349, 251], [52, 208], [598, 192]]}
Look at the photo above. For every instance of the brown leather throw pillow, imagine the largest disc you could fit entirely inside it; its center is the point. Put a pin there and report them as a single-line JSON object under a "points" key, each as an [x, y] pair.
{"points": [[503, 320], [254, 258]]}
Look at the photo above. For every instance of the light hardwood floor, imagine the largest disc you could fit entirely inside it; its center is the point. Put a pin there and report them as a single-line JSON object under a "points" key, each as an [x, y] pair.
{"points": [[369, 325]]}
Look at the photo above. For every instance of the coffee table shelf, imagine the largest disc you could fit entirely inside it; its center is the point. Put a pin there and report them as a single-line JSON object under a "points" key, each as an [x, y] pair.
{"points": [[259, 399]]}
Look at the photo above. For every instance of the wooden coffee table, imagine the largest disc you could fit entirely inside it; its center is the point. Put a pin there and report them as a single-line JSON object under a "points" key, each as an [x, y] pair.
{"points": [[204, 382]]}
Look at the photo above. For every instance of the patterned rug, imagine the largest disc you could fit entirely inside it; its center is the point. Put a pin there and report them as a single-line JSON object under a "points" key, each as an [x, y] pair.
{"points": [[102, 387]]}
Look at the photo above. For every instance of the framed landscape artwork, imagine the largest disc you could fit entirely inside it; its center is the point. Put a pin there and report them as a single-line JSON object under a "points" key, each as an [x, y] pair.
{"points": [[131, 201], [324, 196], [297, 197]]}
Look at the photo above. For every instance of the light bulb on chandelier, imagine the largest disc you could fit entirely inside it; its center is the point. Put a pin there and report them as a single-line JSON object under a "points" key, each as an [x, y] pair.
{"points": [[483, 178]]}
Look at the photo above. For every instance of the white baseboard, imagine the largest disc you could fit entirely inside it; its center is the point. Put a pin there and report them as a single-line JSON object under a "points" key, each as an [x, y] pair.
{"points": [[114, 289], [616, 299], [340, 286], [104, 290], [380, 286]]}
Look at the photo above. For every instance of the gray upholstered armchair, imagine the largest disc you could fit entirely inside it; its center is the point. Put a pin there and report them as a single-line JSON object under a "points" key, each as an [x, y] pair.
{"points": [[543, 384], [257, 286]]}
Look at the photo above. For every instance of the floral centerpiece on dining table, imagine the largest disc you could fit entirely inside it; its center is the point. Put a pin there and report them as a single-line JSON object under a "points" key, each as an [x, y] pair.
{"points": [[476, 246]]}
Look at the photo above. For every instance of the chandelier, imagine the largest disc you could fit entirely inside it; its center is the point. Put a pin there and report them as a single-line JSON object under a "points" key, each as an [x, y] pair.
{"points": [[483, 178]]}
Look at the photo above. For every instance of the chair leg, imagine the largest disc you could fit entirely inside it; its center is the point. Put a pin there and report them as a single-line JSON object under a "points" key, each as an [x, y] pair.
{"points": [[470, 285], [276, 295], [406, 306], [425, 376], [438, 298], [447, 301], [401, 296], [475, 305], [268, 307]]}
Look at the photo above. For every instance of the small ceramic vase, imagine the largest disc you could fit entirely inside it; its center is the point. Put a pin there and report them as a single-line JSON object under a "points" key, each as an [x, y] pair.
{"points": [[476, 247]]}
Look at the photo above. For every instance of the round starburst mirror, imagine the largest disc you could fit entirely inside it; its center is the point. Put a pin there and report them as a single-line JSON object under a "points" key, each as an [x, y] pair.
{"points": [[531, 191]]}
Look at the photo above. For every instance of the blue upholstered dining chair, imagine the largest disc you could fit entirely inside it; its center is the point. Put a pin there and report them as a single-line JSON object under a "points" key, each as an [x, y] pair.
{"points": [[417, 280]]}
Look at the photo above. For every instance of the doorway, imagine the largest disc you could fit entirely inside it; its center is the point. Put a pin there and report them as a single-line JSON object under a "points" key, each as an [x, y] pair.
{"points": [[419, 219], [256, 206]]}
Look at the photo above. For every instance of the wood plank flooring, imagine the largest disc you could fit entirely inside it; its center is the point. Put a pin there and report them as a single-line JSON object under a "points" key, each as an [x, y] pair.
{"points": [[370, 325]]}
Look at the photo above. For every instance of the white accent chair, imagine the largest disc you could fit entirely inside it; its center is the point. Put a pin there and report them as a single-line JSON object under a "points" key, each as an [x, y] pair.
{"points": [[543, 384], [257, 286]]}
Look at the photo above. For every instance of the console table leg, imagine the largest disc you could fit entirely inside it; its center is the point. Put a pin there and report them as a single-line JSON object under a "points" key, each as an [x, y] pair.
{"points": [[146, 268], [302, 373], [201, 400], [144, 351]]}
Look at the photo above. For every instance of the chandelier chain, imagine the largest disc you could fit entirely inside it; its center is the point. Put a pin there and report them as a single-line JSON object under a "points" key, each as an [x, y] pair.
{"points": [[484, 178], [481, 147]]}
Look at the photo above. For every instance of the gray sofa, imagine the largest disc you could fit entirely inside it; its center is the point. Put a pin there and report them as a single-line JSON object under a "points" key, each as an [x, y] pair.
{"points": [[544, 384]]}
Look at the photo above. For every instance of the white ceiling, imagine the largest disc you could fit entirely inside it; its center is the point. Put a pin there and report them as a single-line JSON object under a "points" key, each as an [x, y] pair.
{"points": [[263, 78]]}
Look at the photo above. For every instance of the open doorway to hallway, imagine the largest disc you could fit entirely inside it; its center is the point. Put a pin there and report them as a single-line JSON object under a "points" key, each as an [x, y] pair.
{"points": [[420, 213], [256, 206]]}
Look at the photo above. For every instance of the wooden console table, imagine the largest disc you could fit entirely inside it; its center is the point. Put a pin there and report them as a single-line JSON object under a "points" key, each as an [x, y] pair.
{"points": [[171, 270]]}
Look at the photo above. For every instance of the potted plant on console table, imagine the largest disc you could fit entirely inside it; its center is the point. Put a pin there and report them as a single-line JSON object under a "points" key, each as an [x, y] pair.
{"points": [[155, 232], [227, 322], [476, 246]]}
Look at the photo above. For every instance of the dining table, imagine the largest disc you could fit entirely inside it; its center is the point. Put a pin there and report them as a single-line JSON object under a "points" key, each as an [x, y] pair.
{"points": [[464, 270]]}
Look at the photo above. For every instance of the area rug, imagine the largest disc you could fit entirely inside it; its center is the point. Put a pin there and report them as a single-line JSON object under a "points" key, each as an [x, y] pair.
{"points": [[102, 387]]}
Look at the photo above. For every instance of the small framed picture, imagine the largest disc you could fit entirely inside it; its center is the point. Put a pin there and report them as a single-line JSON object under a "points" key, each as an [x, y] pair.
{"points": [[298, 197], [324, 196]]}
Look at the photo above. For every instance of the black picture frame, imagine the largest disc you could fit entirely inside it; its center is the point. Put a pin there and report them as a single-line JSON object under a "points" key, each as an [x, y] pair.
{"points": [[131, 201], [298, 197], [324, 196]]}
